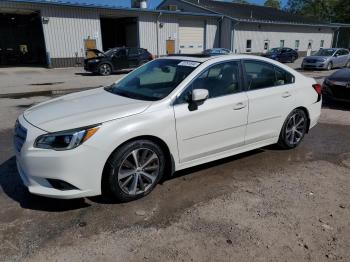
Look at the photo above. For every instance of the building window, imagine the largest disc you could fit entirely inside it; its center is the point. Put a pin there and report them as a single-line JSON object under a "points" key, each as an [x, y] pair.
{"points": [[249, 45], [297, 43], [282, 43], [322, 43]]}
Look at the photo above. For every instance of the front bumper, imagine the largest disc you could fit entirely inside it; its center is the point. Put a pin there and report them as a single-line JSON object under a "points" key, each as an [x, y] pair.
{"points": [[91, 67], [81, 167], [316, 65]]}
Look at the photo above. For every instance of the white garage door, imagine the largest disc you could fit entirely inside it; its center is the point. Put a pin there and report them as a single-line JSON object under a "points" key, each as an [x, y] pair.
{"points": [[191, 36]]}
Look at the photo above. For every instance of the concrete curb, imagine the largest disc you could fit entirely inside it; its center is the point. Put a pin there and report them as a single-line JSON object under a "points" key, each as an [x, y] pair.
{"points": [[45, 93]]}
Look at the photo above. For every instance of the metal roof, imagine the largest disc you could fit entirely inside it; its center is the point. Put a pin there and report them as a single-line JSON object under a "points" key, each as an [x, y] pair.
{"points": [[254, 13], [72, 3]]}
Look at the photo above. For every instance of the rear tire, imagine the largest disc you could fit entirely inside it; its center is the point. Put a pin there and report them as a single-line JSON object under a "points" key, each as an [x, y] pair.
{"points": [[133, 171], [293, 130]]}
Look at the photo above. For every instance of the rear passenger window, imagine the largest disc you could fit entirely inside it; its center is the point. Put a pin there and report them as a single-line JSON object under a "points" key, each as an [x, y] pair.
{"points": [[283, 77], [259, 74], [262, 75]]}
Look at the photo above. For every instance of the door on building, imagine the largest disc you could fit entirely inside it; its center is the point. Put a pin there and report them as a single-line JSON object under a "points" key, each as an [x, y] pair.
{"points": [[119, 32], [266, 46], [309, 48], [170, 47], [191, 36], [90, 44], [22, 39]]}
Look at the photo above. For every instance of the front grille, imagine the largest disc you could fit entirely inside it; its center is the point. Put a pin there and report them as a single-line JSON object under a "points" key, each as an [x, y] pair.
{"points": [[20, 136], [310, 60]]}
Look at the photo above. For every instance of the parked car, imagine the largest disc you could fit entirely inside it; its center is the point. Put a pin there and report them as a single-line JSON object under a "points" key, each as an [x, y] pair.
{"points": [[169, 114], [284, 54], [327, 58], [216, 51], [337, 86], [116, 59]]}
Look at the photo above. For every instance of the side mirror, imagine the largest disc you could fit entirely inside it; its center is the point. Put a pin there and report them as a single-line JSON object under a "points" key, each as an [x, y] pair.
{"points": [[336, 55], [197, 98], [199, 95]]}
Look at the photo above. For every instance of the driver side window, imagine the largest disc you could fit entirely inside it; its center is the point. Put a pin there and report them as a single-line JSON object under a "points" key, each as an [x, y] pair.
{"points": [[220, 80]]}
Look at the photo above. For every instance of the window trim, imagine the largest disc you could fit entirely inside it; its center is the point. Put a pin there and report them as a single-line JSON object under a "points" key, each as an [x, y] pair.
{"points": [[246, 85], [249, 49], [241, 81]]}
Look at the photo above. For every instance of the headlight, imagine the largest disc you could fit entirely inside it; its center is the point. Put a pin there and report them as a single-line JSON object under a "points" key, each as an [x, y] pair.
{"points": [[94, 61], [65, 140]]}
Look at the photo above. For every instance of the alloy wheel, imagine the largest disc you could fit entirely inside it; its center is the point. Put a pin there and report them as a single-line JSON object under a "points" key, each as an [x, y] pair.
{"points": [[295, 129], [139, 171], [105, 69]]}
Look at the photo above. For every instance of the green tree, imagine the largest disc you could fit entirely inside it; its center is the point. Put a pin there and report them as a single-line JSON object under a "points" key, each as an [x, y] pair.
{"points": [[325, 10], [273, 3]]}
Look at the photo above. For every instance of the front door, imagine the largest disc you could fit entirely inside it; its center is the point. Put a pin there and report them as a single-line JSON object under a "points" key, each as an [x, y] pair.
{"points": [[219, 123], [119, 59], [271, 96]]}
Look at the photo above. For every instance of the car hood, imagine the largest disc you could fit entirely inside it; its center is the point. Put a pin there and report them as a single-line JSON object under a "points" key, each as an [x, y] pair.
{"points": [[82, 109]]}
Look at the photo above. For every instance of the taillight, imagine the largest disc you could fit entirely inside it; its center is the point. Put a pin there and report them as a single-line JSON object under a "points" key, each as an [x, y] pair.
{"points": [[318, 88]]}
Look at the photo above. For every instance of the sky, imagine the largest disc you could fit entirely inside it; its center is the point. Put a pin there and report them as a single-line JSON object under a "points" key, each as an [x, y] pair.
{"points": [[152, 3]]}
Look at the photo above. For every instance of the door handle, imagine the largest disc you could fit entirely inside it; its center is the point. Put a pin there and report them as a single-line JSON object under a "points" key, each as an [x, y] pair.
{"points": [[286, 94], [239, 106]]}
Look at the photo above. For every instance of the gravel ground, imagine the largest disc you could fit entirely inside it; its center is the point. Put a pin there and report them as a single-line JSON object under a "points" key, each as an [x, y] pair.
{"points": [[265, 205]]}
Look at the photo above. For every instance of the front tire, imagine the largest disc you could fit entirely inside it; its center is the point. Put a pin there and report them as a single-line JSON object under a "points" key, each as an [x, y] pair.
{"points": [[293, 130], [105, 69], [330, 66], [133, 170]]}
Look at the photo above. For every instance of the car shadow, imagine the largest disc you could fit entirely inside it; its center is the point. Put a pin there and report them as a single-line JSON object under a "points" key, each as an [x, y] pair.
{"points": [[11, 184]]}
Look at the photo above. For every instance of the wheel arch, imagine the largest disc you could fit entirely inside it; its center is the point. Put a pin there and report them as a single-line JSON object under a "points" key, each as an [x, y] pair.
{"points": [[106, 62], [307, 115], [169, 164]]}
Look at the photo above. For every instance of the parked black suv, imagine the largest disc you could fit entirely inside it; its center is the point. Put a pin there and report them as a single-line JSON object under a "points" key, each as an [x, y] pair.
{"points": [[115, 59], [284, 54]]}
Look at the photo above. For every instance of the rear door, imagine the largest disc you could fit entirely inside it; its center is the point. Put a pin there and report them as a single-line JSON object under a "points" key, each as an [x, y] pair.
{"points": [[343, 57], [271, 98], [133, 57]]}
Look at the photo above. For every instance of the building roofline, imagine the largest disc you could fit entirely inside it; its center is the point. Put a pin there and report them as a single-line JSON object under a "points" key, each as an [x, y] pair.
{"points": [[256, 21], [107, 7]]}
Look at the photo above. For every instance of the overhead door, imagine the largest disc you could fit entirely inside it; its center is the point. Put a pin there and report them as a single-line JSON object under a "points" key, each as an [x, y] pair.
{"points": [[191, 36]]}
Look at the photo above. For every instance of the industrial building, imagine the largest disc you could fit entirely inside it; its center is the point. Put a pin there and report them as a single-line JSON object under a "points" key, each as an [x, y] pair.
{"points": [[246, 28], [57, 33]]}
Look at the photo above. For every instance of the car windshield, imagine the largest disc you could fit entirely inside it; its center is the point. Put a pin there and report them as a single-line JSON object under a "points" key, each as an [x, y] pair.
{"points": [[111, 51], [275, 50], [155, 80], [325, 52]]}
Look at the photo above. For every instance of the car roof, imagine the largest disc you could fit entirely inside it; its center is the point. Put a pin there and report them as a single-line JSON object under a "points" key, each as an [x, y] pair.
{"points": [[204, 58]]}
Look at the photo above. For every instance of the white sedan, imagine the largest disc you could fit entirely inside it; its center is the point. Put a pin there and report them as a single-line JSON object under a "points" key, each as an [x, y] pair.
{"points": [[169, 114]]}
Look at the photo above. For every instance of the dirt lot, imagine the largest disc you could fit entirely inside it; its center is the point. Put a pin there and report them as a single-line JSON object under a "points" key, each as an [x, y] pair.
{"points": [[265, 205]]}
